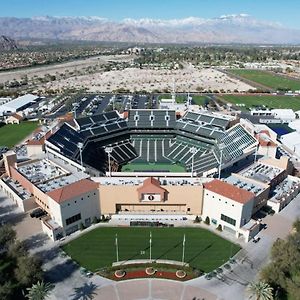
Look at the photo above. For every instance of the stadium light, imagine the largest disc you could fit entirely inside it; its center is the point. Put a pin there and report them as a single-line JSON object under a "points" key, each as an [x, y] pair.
{"points": [[108, 150], [80, 146], [75, 106], [193, 150], [220, 165]]}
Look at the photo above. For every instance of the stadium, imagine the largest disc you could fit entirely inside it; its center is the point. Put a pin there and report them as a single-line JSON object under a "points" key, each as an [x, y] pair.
{"points": [[153, 140]]}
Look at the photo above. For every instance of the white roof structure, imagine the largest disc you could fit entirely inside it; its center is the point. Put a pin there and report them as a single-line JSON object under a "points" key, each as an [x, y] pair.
{"points": [[292, 141], [18, 103], [284, 114], [295, 125]]}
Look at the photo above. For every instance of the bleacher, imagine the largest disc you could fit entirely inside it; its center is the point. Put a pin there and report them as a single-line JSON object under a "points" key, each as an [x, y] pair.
{"points": [[208, 119], [236, 140], [123, 152], [151, 119], [66, 140], [87, 122], [154, 136], [201, 129]]}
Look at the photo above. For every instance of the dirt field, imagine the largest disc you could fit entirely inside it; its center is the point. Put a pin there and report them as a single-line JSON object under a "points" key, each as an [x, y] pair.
{"points": [[135, 79]]}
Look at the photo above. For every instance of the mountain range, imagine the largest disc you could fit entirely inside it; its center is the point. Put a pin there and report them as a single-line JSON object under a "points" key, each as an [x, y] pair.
{"points": [[239, 28], [7, 43]]}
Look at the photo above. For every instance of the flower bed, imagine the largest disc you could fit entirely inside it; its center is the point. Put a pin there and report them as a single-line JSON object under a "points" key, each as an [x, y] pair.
{"points": [[120, 273], [180, 274], [150, 271]]}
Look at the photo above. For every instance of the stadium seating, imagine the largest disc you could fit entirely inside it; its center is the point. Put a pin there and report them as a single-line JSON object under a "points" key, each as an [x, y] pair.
{"points": [[154, 136]]}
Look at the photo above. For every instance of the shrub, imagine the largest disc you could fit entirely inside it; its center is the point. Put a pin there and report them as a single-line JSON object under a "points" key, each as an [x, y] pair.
{"points": [[207, 221], [95, 220], [197, 219], [81, 226], [219, 228]]}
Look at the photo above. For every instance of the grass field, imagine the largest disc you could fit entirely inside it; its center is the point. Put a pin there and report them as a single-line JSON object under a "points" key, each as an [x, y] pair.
{"points": [[267, 79], [12, 134], [153, 167], [269, 101], [197, 99], [203, 249]]}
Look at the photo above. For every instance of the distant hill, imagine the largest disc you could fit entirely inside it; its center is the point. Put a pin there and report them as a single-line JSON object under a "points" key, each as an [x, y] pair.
{"points": [[7, 43], [225, 29]]}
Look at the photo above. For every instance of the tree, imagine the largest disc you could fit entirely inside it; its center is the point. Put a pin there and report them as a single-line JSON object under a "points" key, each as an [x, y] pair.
{"points": [[39, 291], [296, 225], [7, 236], [260, 290], [207, 220], [6, 290], [219, 228], [28, 270]]}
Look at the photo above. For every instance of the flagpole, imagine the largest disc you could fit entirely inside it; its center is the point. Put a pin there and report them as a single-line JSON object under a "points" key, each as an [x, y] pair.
{"points": [[183, 248], [150, 245], [117, 248]]}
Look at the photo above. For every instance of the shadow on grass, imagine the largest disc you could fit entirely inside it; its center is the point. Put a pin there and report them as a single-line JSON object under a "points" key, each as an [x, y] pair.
{"points": [[199, 253], [85, 292], [170, 249]]}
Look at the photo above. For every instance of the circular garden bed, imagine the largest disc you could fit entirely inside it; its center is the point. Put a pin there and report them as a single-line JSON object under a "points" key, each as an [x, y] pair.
{"points": [[180, 274], [150, 271], [120, 273]]}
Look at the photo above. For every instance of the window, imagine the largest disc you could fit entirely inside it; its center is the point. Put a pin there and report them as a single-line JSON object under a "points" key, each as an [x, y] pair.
{"points": [[73, 219], [228, 220]]}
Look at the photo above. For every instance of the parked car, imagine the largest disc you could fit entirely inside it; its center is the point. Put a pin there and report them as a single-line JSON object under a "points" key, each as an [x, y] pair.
{"points": [[37, 213]]}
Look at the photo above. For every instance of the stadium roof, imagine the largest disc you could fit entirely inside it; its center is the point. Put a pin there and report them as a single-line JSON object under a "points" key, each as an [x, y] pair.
{"points": [[72, 190], [229, 191], [20, 102]]}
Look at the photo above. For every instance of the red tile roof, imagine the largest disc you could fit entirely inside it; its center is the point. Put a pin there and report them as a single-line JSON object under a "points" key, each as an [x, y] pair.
{"points": [[17, 116], [151, 185], [229, 191], [41, 141], [264, 139], [73, 190]]}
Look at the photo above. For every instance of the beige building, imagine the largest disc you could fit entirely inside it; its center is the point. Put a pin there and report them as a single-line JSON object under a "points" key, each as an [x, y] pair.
{"points": [[151, 196]]}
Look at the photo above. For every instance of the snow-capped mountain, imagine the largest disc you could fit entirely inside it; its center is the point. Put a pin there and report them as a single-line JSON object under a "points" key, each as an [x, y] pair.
{"points": [[236, 28]]}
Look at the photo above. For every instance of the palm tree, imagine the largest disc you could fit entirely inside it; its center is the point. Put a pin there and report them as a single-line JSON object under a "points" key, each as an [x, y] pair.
{"points": [[39, 291], [260, 291]]}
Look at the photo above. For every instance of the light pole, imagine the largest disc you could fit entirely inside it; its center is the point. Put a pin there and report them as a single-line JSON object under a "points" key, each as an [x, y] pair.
{"points": [[193, 150], [108, 150], [255, 155], [220, 165], [150, 242], [75, 106], [80, 146]]}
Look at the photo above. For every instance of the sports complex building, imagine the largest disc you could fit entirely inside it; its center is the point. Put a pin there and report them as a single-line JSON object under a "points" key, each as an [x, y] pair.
{"points": [[149, 166]]}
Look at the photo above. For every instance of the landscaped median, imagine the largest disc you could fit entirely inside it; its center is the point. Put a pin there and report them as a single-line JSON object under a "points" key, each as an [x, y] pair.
{"points": [[154, 270]]}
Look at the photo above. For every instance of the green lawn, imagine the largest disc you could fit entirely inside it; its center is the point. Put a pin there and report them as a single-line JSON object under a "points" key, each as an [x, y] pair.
{"points": [[270, 101], [197, 99], [179, 98], [203, 249], [267, 79], [152, 167], [12, 134]]}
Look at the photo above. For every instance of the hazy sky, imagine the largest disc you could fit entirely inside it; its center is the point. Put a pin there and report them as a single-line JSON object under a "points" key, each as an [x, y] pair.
{"points": [[285, 12]]}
